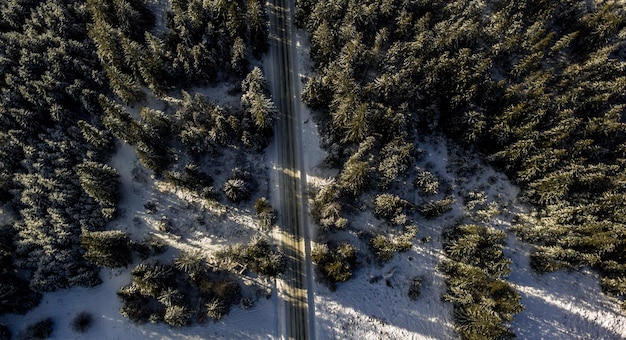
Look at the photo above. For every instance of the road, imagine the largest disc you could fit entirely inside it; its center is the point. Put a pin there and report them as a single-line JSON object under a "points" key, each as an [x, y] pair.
{"points": [[299, 312]]}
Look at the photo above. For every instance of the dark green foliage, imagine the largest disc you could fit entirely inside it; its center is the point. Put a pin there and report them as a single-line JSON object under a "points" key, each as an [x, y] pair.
{"points": [[546, 261], [216, 309], [239, 186], [390, 207], [382, 247], [236, 190], [109, 248], [82, 322], [426, 182], [385, 246], [614, 286], [119, 122], [7, 237], [100, 181], [132, 17], [201, 34], [177, 316], [335, 264], [139, 307], [265, 212], [483, 302], [202, 42], [327, 209], [118, 29], [156, 125], [258, 255], [204, 127], [432, 209], [39, 330], [15, 295], [148, 247], [51, 79], [180, 293], [355, 176], [191, 263], [239, 63], [153, 156], [258, 27], [141, 299], [154, 131], [96, 137], [259, 112], [538, 88], [395, 160], [191, 178], [151, 279]]}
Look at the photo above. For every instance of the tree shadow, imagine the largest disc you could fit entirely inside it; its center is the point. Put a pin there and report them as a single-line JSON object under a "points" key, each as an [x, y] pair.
{"points": [[563, 304], [375, 301]]}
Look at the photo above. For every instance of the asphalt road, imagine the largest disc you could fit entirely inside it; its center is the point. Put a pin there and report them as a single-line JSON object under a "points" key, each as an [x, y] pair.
{"points": [[298, 312]]}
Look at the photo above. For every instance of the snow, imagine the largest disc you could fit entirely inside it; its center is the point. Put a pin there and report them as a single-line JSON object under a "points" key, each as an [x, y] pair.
{"points": [[159, 8], [374, 303], [195, 225], [562, 304], [102, 303]]}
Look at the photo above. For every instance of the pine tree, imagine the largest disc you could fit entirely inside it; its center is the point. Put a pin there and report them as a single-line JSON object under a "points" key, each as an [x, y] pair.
{"points": [[119, 122], [177, 316], [98, 138], [100, 181], [238, 61], [190, 262], [216, 309], [258, 27], [106, 248]]}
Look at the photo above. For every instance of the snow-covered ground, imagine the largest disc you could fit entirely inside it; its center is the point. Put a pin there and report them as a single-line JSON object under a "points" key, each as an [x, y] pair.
{"points": [[562, 305], [194, 226], [374, 303]]}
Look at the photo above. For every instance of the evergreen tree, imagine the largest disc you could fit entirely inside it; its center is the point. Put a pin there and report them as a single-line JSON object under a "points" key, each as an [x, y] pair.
{"points": [[106, 248], [100, 181]]}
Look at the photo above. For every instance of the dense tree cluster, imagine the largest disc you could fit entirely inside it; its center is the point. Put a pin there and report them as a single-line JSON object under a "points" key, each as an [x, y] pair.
{"points": [[335, 263], [109, 248], [204, 126], [50, 80], [67, 67], [100, 181], [15, 294], [259, 256], [178, 293], [384, 247], [475, 266], [537, 87], [41, 329], [203, 40], [259, 112]]}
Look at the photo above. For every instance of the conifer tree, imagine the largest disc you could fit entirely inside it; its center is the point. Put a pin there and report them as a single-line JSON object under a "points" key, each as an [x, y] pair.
{"points": [[106, 248]]}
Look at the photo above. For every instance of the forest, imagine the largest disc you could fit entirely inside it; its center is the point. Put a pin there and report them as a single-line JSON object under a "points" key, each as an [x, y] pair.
{"points": [[73, 75], [536, 88]]}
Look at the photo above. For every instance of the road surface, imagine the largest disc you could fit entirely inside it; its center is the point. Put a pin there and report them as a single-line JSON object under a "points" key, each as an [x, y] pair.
{"points": [[298, 313]]}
